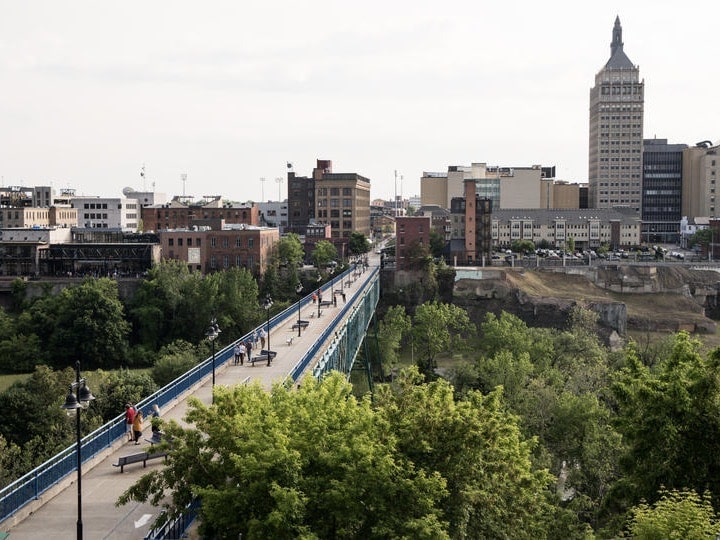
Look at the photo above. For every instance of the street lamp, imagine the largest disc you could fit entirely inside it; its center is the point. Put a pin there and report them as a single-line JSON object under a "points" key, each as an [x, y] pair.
{"points": [[319, 279], [73, 402], [212, 334], [299, 290], [332, 287], [267, 304]]}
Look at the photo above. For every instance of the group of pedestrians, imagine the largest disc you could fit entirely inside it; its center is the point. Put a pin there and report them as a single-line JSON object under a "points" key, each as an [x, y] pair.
{"points": [[245, 348], [134, 421]]}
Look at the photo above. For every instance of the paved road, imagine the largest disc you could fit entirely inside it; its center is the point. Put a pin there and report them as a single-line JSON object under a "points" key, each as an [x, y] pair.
{"points": [[102, 484]]}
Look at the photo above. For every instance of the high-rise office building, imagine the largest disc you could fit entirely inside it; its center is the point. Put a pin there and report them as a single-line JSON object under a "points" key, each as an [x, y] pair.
{"points": [[662, 191], [616, 131]]}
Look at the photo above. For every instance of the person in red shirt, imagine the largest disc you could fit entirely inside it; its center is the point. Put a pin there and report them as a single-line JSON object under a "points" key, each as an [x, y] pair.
{"points": [[129, 417]]}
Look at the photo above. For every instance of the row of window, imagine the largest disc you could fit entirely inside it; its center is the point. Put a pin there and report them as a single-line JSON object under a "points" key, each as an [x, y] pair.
{"points": [[226, 261], [334, 192]]}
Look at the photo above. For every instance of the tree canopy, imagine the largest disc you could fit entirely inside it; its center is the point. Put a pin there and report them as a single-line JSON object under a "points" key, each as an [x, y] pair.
{"points": [[317, 462]]}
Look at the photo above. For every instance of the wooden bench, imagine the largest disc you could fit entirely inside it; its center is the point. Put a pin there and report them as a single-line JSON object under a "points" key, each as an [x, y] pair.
{"points": [[143, 457], [326, 303], [263, 357]]}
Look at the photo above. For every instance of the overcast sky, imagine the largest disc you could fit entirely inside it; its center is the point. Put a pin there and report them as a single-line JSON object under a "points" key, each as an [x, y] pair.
{"points": [[228, 92]]}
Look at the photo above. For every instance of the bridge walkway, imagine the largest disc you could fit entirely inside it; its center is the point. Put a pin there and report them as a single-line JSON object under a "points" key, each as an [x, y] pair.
{"points": [[54, 513]]}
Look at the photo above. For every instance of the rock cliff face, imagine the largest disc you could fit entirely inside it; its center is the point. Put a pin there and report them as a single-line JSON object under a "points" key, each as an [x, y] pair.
{"points": [[648, 298]]}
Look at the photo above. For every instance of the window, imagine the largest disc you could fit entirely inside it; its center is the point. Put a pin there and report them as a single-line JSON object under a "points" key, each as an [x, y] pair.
{"points": [[212, 243], [226, 261], [225, 243], [238, 243], [180, 243], [213, 261], [251, 242], [171, 242], [189, 242]]}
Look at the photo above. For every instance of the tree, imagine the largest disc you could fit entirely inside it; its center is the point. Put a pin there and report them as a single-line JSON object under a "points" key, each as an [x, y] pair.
{"points": [[417, 257], [358, 243], [308, 463], [678, 514], [493, 490], [290, 250], [116, 388], [173, 360], [702, 237], [89, 326], [323, 253], [393, 327], [437, 243], [438, 327], [670, 420], [522, 246]]}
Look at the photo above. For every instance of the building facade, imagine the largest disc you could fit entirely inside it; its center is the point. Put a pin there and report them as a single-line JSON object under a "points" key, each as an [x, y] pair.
{"points": [[412, 233], [662, 191], [588, 228], [182, 214], [206, 250], [617, 104], [700, 176], [107, 213]]}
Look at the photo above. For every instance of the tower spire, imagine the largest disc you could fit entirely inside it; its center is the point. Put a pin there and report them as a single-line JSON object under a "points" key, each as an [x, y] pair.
{"points": [[616, 37]]}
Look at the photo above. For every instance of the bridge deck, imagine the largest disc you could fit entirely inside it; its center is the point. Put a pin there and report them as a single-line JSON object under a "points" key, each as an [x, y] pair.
{"points": [[56, 511]]}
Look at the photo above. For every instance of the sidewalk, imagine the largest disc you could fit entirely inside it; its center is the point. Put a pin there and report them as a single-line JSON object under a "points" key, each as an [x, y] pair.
{"points": [[102, 483]]}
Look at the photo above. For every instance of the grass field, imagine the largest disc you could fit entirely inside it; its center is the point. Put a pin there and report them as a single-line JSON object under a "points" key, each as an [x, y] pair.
{"points": [[6, 381]]}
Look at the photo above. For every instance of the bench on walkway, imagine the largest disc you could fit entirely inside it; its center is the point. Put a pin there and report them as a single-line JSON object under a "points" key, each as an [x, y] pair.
{"points": [[263, 357], [301, 324], [326, 303], [143, 457]]}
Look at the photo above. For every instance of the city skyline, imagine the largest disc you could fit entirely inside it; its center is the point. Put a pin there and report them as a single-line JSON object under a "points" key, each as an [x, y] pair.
{"points": [[231, 94]]}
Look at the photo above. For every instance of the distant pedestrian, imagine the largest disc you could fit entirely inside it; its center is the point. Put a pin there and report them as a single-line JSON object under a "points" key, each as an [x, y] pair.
{"points": [[129, 417], [155, 424], [249, 348], [242, 348], [343, 296], [314, 297], [236, 351], [137, 426], [262, 338]]}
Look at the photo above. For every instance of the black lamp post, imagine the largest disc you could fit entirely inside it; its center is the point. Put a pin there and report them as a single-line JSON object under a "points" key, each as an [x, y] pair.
{"points": [[332, 287], [267, 304], [73, 402], [319, 279], [212, 334], [299, 290]]}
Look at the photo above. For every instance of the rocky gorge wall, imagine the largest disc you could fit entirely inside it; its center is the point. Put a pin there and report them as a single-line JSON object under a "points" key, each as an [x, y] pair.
{"points": [[625, 297]]}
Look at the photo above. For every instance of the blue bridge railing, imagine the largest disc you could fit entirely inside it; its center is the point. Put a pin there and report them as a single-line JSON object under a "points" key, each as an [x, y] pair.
{"points": [[30, 486]]}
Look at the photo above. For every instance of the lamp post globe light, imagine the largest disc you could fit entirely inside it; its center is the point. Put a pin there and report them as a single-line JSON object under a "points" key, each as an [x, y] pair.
{"points": [[212, 334], [74, 401], [299, 290], [267, 304]]}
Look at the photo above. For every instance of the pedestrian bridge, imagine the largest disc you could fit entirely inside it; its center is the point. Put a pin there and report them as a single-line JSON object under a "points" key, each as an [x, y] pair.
{"points": [[47, 499]]}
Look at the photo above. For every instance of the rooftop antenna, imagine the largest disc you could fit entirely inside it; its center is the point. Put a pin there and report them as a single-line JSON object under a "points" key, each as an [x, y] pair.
{"points": [[262, 188], [183, 179], [142, 175]]}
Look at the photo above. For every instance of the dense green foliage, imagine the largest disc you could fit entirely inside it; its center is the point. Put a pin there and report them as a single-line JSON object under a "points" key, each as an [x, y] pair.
{"points": [[319, 463]]}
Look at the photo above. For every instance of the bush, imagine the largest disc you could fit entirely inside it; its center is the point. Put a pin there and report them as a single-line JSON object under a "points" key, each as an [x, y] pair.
{"points": [[175, 359]]}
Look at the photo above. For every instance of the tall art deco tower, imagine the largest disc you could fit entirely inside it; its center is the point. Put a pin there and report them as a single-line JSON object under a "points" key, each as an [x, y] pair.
{"points": [[616, 131]]}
